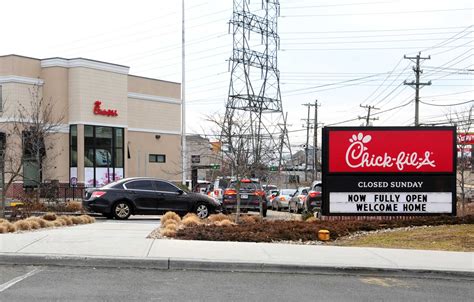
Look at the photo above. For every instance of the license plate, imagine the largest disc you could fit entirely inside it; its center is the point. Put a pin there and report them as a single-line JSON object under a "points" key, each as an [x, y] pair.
{"points": [[244, 196]]}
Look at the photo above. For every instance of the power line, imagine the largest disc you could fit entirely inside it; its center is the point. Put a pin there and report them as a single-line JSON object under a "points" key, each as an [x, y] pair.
{"points": [[381, 13], [447, 105]]}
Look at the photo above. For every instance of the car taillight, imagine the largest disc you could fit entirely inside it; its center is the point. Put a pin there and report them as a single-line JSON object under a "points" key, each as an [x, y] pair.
{"points": [[97, 194], [230, 192], [314, 194], [260, 193]]}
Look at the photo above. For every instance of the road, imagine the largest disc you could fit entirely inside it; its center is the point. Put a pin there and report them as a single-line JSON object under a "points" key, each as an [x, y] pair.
{"points": [[26, 283]]}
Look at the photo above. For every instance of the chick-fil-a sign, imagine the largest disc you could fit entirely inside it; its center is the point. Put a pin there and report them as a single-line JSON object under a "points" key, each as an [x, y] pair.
{"points": [[107, 112], [391, 150]]}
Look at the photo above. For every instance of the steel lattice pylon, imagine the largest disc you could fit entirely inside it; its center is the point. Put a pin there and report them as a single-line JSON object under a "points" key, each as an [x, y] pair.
{"points": [[254, 88]]}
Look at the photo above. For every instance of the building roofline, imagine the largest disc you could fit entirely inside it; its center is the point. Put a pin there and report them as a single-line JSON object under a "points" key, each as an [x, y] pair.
{"points": [[90, 60], [154, 79], [20, 56], [81, 58]]}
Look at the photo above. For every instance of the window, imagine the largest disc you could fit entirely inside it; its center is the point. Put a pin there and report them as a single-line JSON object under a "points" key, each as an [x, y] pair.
{"points": [[3, 142], [103, 147], [140, 185], [157, 158], [73, 146], [165, 187], [89, 146], [103, 154], [118, 138]]}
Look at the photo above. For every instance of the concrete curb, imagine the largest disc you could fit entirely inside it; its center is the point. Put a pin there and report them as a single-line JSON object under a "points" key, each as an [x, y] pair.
{"points": [[219, 266]]}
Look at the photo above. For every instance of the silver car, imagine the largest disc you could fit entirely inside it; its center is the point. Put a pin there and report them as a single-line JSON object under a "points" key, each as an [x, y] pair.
{"points": [[296, 202], [282, 199]]}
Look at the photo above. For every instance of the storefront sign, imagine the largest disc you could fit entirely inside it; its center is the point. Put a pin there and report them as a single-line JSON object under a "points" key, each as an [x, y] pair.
{"points": [[388, 171], [107, 112]]}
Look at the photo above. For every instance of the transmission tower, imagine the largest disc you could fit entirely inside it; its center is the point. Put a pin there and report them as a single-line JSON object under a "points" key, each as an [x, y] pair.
{"points": [[254, 88]]}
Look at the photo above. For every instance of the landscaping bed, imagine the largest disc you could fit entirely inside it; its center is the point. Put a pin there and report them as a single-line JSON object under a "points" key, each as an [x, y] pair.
{"points": [[253, 229], [443, 237]]}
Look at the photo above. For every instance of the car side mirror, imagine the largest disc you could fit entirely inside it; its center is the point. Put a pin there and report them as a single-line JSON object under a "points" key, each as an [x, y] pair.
{"points": [[180, 192]]}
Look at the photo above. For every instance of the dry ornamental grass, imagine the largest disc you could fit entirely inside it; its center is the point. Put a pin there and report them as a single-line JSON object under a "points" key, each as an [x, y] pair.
{"points": [[191, 220], [73, 206], [47, 221], [50, 216], [22, 225], [170, 216], [217, 217]]}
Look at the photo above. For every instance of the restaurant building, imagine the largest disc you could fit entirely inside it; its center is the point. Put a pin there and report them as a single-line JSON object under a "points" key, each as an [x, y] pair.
{"points": [[114, 124]]}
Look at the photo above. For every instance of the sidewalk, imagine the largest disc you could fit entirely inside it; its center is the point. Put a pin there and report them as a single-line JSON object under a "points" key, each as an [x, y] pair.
{"points": [[124, 244]]}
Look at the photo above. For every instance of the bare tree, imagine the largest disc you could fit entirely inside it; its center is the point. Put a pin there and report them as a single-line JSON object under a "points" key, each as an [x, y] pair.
{"points": [[30, 129], [463, 121], [237, 140]]}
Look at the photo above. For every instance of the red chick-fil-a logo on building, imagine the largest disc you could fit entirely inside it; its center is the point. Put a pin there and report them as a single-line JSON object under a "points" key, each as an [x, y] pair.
{"points": [[358, 155], [107, 112], [389, 150]]}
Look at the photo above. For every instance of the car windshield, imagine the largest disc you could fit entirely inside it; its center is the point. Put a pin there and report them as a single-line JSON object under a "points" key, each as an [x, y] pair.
{"points": [[288, 191]]}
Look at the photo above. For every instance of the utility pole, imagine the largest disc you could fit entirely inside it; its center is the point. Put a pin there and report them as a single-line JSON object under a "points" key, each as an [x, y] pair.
{"points": [[315, 141], [368, 118], [417, 83], [283, 137], [306, 149]]}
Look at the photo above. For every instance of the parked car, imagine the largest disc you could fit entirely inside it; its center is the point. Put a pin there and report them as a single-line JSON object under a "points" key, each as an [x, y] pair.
{"points": [[216, 190], [270, 196], [251, 195], [141, 195], [270, 191], [282, 199], [296, 202], [313, 201]]}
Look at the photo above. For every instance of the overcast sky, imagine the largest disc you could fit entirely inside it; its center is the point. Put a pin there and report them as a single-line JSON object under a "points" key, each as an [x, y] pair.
{"points": [[342, 52]]}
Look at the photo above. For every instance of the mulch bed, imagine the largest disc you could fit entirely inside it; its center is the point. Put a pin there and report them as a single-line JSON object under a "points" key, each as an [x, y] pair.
{"points": [[270, 231]]}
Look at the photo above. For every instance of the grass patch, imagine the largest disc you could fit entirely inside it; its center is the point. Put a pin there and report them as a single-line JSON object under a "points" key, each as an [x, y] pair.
{"points": [[443, 237]]}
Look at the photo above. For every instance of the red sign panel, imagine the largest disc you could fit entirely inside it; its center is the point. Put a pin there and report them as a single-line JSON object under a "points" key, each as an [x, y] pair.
{"points": [[391, 150], [107, 112]]}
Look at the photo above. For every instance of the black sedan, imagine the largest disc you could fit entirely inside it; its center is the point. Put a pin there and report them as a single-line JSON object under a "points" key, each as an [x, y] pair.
{"points": [[139, 195]]}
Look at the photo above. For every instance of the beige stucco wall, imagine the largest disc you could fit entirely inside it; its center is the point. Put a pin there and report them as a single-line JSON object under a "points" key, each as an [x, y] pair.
{"points": [[56, 90], [20, 66], [141, 144], [17, 96], [154, 87], [88, 85], [56, 163], [144, 114]]}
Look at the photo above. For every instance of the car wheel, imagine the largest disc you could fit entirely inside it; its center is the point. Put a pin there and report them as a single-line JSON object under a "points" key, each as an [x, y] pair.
{"points": [[122, 210], [202, 210]]}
